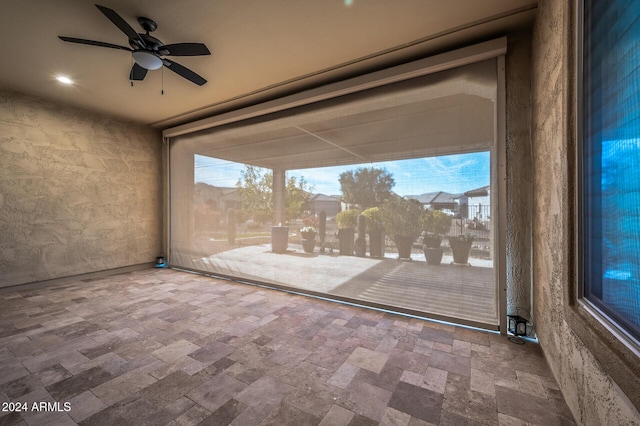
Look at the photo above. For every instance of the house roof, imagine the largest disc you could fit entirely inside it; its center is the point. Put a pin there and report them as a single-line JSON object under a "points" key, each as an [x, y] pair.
{"points": [[223, 189], [227, 190], [478, 192], [445, 198], [424, 198], [322, 197]]}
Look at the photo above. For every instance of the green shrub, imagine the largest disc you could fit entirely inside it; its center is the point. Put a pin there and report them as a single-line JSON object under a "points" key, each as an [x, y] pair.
{"points": [[374, 219], [402, 217], [436, 222], [347, 218]]}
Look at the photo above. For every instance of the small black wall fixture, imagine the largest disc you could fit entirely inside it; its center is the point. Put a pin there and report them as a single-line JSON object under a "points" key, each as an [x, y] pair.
{"points": [[517, 325]]}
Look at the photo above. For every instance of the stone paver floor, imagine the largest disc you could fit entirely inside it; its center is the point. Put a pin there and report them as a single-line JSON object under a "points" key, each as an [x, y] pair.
{"points": [[161, 347]]}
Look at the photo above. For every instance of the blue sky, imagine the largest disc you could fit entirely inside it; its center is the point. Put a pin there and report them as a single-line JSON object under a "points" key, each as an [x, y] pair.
{"points": [[450, 173]]}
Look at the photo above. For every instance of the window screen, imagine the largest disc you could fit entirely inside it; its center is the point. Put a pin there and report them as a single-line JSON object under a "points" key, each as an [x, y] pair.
{"points": [[611, 160], [278, 199]]}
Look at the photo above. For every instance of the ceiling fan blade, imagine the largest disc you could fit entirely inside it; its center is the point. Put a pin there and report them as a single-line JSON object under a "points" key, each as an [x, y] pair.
{"points": [[187, 49], [121, 24], [137, 73], [184, 72], [93, 43]]}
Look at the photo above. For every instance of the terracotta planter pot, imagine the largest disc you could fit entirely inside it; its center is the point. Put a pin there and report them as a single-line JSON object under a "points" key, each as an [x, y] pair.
{"points": [[404, 246], [460, 250], [433, 255]]}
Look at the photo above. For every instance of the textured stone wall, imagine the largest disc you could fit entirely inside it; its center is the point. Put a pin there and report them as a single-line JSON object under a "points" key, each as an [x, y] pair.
{"points": [[594, 398], [79, 192]]}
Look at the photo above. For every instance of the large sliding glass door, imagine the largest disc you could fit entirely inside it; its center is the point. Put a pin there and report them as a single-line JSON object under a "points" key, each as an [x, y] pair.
{"points": [[341, 197]]}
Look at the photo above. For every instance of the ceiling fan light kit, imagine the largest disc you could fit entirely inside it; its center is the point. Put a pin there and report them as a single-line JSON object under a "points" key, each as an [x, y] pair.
{"points": [[147, 60], [146, 50]]}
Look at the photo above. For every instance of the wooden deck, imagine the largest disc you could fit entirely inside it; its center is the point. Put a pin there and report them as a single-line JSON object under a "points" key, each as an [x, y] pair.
{"points": [[447, 291]]}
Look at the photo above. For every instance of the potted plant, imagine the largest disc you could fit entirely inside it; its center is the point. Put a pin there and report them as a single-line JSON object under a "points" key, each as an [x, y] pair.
{"points": [[308, 234], [347, 220], [402, 219], [461, 247], [375, 229], [431, 248], [435, 224]]}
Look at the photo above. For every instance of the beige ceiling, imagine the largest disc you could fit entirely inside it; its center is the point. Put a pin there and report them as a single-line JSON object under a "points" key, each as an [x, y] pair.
{"points": [[260, 48]]}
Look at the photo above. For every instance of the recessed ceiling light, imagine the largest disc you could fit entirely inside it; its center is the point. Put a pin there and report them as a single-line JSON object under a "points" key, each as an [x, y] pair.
{"points": [[64, 80]]}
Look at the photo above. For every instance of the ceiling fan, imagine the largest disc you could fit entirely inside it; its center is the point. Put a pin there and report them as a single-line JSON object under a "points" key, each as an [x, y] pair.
{"points": [[148, 51]]}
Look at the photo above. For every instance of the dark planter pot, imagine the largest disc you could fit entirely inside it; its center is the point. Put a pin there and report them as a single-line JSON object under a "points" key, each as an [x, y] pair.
{"points": [[308, 244], [376, 243], [308, 235], [404, 245], [433, 255], [279, 239], [361, 247], [460, 250], [345, 236]]}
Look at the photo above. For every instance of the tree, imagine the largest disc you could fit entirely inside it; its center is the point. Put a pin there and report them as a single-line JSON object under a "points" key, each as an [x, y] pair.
{"points": [[256, 189], [296, 195], [366, 186]]}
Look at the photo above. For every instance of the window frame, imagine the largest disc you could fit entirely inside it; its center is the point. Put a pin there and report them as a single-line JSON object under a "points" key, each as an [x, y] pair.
{"points": [[610, 323], [617, 353]]}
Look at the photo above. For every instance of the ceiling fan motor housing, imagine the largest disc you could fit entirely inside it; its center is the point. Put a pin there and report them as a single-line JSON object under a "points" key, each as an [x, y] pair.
{"points": [[149, 25], [147, 55]]}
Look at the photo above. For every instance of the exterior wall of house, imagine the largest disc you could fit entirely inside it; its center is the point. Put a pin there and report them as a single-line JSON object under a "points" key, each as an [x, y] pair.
{"points": [[79, 192], [586, 383], [331, 208], [479, 207]]}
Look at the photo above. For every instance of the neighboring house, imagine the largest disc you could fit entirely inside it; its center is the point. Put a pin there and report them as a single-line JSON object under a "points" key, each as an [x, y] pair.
{"points": [[329, 203], [479, 202], [425, 199], [452, 204], [217, 197], [230, 199], [463, 206], [445, 201]]}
